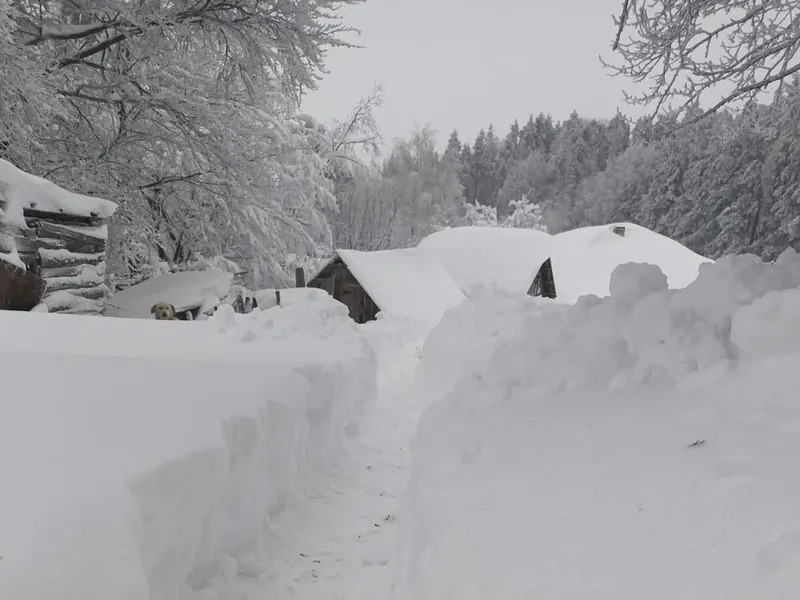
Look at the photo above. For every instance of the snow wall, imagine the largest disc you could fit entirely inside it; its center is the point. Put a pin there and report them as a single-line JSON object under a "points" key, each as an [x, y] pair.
{"points": [[156, 460], [644, 445]]}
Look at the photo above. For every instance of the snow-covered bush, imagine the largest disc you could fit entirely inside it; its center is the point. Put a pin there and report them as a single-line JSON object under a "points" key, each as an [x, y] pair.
{"points": [[523, 215], [478, 215]]}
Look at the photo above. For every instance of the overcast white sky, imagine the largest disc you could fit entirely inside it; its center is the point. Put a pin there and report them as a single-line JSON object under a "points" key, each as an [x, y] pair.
{"points": [[462, 64]]}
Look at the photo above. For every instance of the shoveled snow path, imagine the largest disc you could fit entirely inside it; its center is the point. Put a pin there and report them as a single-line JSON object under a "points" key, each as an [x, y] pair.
{"points": [[342, 545]]}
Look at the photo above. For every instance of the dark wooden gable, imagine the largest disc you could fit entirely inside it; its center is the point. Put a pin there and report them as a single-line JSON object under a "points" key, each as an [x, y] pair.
{"points": [[336, 279], [543, 284]]}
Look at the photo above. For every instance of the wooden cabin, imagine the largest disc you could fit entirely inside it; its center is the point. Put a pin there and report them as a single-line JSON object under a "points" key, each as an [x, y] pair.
{"points": [[58, 236], [337, 279]]}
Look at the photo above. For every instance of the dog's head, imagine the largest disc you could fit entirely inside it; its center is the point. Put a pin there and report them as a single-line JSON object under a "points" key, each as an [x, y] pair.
{"points": [[163, 311]]}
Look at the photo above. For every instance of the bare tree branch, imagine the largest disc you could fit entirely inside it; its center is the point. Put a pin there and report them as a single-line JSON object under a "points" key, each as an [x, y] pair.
{"points": [[689, 51], [621, 23]]}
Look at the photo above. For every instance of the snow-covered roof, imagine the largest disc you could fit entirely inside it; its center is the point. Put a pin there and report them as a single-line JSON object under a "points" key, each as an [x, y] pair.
{"points": [[185, 290], [506, 258], [405, 282], [583, 259], [25, 191]]}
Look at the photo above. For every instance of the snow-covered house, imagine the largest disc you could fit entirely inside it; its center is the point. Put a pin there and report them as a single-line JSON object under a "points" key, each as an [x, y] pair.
{"points": [[512, 260], [405, 282], [57, 235], [585, 258]]}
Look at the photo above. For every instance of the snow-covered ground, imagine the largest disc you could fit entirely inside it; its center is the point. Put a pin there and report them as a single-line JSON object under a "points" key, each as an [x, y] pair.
{"points": [[341, 544], [641, 446], [149, 460]]}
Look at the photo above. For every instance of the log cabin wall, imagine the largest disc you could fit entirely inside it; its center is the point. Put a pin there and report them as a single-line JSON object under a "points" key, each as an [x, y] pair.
{"points": [[69, 253]]}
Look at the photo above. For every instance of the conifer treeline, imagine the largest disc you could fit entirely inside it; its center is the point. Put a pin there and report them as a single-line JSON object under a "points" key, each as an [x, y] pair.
{"points": [[727, 184]]}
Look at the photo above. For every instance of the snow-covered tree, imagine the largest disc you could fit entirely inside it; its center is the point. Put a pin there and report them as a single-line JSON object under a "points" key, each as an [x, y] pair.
{"points": [[430, 192], [412, 193], [186, 113], [370, 210], [525, 215], [692, 50], [26, 100], [479, 215]]}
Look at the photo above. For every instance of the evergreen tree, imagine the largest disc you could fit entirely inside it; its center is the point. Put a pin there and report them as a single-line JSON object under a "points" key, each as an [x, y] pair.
{"points": [[545, 133], [453, 145], [527, 138], [466, 173], [619, 135]]}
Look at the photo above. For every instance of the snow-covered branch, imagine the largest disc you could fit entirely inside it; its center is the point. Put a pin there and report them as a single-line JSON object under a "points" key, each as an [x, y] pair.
{"points": [[684, 51]]}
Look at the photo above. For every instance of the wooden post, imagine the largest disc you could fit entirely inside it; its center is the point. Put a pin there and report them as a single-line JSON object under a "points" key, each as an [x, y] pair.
{"points": [[299, 277], [278, 297]]}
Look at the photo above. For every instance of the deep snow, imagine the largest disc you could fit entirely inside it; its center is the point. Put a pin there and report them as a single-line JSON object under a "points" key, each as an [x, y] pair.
{"points": [[641, 446], [146, 460], [340, 545]]}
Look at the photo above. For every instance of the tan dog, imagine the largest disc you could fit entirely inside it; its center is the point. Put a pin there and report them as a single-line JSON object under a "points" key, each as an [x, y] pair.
{"points": [[164, 311]]}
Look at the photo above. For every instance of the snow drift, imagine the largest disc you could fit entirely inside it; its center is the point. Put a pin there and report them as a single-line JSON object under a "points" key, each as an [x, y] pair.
{"points": [[153, 460], [640, 446]]}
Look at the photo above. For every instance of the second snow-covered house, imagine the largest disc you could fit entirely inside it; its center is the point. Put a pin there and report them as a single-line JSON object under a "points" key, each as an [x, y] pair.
{"points": [[405, 282], [516, 261], [56, 235], [585, 258]]}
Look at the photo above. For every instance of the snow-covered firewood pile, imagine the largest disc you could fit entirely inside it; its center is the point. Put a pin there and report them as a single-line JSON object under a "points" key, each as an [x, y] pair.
{"points": [[58, 235]]}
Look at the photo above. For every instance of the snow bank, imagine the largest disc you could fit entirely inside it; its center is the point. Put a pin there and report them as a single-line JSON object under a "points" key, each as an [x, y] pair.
{"points": [[25, 191], [583, 259], [501, 258], [405, 282], [184, 290], [640, 446], [267, 299], [153, 460]]}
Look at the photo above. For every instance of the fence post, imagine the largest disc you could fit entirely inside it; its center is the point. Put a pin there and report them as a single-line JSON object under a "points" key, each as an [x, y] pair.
{"points": [[299, 277], [278, 297]]}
